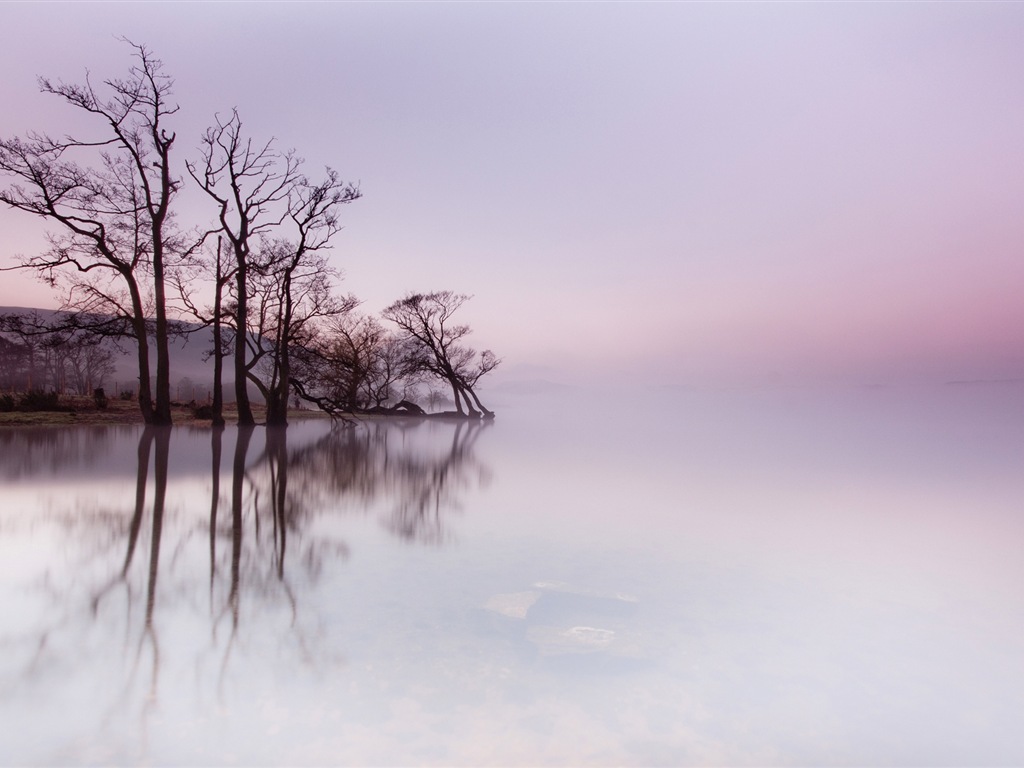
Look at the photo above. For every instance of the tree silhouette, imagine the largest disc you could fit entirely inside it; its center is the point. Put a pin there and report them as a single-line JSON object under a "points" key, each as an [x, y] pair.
{"points": [[110, 200], [425, 320]]}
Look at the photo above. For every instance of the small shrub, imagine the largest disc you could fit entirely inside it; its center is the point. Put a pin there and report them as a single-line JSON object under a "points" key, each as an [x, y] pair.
{"points": [[99, 397], [6, 403], [203, 412], [127, 395], [38, 400]]}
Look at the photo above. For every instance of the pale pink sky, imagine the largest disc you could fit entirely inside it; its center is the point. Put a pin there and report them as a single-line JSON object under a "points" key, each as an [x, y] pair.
{"points": [[712, 191]]}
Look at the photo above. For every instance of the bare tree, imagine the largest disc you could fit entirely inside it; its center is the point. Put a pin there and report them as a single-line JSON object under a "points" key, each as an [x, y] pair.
{"points": [[91, 361], [250, 184], [278, 224], [369, 362], [110, 199], [354, 356], [425, 321], [297, 279], [360, 365], [293, 297]]}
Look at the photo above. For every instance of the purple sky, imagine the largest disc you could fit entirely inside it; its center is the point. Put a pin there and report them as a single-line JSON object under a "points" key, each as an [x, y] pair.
{"points": [[712, 191]]}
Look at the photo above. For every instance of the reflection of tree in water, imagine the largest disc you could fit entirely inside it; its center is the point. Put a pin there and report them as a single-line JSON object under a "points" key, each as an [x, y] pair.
{"points": [[158, 438], [276, 496], [429, 487], [382, 462], [162, 437], [25, 451], [262, 553]]}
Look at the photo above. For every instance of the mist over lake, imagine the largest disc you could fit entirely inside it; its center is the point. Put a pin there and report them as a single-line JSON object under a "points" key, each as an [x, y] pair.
{"points": [[674, 350], [736, 578]]}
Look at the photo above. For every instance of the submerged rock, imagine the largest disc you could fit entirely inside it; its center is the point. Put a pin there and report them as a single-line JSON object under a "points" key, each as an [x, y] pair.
{"points": [[515, 605], [559, 619]]}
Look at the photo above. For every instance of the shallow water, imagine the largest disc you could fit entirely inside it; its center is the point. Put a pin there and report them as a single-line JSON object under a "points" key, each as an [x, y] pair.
{"points": [[789, 577]]}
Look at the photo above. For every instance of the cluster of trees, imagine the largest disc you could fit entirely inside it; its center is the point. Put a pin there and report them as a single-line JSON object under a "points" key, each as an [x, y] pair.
{"points": [[64, 360], [257, 274], [362, 366]]}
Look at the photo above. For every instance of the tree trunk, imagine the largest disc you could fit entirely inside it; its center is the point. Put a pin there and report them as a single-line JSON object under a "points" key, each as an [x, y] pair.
{"points": [[162, 411], [217, 406], [277, 403], [245, 418], [142, 339], [145, 396], [277, 409], [487, 414], [458, 398], [158, 208], [473, 412]]}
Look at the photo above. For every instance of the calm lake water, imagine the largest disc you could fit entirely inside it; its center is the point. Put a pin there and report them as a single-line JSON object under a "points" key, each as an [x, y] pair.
{"points": [[772, 578]]}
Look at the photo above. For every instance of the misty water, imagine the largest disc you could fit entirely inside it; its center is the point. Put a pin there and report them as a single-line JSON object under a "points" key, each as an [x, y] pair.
{"points": [[787, 577]]}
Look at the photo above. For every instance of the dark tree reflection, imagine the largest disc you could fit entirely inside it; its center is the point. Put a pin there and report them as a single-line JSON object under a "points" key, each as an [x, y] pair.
{"points": [[429, 486], [237, 497], [148, 549], [162, 437], [216, 440], [27, 452], [141, 481], [385, 463], [277, 464]]}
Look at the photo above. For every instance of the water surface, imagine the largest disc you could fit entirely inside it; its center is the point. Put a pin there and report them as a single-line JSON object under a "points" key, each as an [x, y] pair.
{"points": [[783, 578]]}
